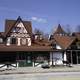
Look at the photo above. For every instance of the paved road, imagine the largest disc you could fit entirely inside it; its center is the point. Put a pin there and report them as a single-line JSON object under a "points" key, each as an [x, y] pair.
{"points": [[43, 76]]}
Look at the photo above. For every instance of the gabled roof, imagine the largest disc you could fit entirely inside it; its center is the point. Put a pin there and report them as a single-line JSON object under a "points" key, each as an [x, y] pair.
{"points": [[64, 41], [42, 42], [12, 48], [59, 30], [24, 48], [9, 24]]}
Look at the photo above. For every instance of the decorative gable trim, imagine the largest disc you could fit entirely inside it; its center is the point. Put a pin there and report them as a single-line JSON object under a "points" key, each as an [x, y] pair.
{"points": [[11, 23]]}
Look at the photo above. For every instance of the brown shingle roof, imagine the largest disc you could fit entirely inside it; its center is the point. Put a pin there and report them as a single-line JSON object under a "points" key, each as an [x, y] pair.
{"points": [[42, 42], [42, 45], [64, 41], [4, 48], [9, 24]]}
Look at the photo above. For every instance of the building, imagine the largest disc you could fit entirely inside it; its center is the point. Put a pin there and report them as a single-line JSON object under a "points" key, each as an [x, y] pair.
{"points": [[19, 47], [70, 45]]}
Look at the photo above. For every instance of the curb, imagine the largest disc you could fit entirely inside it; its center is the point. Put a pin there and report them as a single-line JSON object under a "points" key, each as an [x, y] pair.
{"points": [[8, 73]]}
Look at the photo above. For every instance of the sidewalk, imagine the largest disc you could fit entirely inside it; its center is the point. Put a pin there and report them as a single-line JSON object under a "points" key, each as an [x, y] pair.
{"points": [[30, 70]]}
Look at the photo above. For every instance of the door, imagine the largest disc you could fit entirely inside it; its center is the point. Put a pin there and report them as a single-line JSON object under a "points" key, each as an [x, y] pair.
{"points": [[78, 57], [74, 57]]}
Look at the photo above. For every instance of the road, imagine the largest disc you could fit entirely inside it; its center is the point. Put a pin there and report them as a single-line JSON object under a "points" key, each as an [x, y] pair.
{"points": [[43, 76]]}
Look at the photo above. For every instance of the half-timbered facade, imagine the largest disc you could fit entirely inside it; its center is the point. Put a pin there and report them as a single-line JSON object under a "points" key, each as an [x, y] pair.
{"points": [[19, 46]]}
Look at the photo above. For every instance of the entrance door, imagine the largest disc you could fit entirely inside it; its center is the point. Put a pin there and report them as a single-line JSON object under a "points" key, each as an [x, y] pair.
{"points": [[78, 57], [74, 57]]}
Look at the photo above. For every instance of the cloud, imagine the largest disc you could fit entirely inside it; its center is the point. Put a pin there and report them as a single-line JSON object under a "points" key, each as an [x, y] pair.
{"points": [[41, 20], [21, 12], [34, 18]]}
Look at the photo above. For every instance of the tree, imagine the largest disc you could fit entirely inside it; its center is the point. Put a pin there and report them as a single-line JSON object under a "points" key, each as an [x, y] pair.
{"points": [[41, 33], [68, 29], [38, 34], [78, 28], [38, 31], [46, 36]]}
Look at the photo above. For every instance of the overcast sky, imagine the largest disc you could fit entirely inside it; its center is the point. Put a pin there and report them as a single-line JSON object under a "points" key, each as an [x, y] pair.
{"points": [[44, 14]]}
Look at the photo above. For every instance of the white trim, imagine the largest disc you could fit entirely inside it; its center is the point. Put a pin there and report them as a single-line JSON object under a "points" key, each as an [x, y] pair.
{"points": [[19, 42], [8, 41], [29, 41], [65, 57], [22, 30]]}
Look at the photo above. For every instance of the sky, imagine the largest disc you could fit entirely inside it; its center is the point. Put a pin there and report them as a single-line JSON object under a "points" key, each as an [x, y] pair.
{"points": [[44, 14]]}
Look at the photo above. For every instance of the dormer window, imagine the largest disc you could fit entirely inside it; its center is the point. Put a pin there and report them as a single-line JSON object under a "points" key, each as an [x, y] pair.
{"points": [[8, 41], [38, 37], [53, 45], [1, 40]]}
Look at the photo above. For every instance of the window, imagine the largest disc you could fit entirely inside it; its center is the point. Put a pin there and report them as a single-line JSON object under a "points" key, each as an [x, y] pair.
{"points": [[23, 41], [36, 37], [13, 40], [78, 45], [39, 58], [1, 40], [8, 41], [41, 37], [53, 45]]}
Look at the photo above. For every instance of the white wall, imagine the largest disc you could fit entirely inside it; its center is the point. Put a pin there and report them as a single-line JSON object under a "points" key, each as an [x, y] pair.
{"points": [[65, 57], [19, 43], [29, 41]]}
